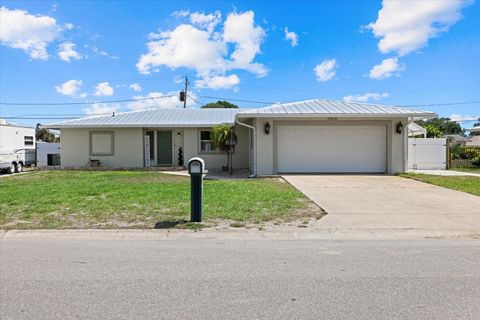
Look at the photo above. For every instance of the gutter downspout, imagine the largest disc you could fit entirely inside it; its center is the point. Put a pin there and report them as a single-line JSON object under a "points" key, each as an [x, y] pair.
{"points": [[254, 132], [405, 146]]}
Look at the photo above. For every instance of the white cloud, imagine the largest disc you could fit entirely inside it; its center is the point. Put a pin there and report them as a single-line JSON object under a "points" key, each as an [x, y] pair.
{"points": [[461, 118], [101, 109], [325, 70], [68, 26], [70, 88], [291, 37], [31, 33], [103, 89], [185, 46], [366, 97], [168, 100], [218, 82], [405, 26], [202, 45], [206, 21], [386, 69], [135, 87], [181, 13], [66, 52], [103, 53], [239, 28]]}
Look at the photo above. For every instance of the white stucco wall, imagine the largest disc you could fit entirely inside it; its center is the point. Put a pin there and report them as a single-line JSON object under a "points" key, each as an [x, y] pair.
{"points": [[128, 148], [217, 160], [396, 154]]}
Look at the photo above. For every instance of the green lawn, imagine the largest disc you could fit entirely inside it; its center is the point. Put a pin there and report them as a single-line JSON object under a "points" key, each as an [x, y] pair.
{"points": [[120, 199], [472, 170], [460, 183]]}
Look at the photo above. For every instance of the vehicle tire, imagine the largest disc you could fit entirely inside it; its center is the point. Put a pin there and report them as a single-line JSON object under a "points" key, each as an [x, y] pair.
{"points": [[18, 167], [12, 168]]}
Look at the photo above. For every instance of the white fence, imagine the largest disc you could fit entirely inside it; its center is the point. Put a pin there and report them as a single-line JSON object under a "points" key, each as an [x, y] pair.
{"points": [[427, 153]]}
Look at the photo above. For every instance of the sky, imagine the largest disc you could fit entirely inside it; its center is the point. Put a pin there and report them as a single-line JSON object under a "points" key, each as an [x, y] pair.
{"points": [[404, 53]]}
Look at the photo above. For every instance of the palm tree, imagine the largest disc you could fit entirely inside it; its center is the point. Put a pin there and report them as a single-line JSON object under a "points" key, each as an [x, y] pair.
{"points": [[225, 139]]}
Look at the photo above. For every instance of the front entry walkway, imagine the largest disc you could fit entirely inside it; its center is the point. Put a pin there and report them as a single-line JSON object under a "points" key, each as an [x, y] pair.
{"points": [[388, 202]]}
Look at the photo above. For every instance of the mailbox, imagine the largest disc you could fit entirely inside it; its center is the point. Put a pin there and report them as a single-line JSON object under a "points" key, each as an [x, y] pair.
{"points": [[196, 166], [196, 169]]}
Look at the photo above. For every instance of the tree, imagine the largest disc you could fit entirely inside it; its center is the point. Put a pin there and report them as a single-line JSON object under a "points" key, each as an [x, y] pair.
{"points": [[443, 125], [433, 131], [224, 139], [42, 134], [219, 105], [476, 124]]}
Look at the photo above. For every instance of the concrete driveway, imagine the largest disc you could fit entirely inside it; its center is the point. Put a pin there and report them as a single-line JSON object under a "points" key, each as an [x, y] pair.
{"points": [[389, 202]]}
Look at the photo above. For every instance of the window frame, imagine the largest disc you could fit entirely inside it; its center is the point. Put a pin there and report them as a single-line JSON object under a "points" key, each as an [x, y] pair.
{"points": [[200, 151], [28, 142], [112, 135]]}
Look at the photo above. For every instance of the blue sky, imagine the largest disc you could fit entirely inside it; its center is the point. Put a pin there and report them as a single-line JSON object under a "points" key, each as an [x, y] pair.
{"points": [[400, 53]]}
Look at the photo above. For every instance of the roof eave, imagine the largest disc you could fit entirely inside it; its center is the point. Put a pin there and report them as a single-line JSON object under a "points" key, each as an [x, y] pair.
{"points": [[96, 126], [416, 116]]}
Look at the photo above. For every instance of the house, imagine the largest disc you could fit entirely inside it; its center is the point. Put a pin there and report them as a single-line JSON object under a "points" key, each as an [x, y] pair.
{"points": [[306, 136], [475, 139], [48, 154], [457, 139], [17, 146]]}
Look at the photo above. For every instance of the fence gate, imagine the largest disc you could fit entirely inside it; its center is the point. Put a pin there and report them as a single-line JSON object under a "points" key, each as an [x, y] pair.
{"points": [[427, 153]]}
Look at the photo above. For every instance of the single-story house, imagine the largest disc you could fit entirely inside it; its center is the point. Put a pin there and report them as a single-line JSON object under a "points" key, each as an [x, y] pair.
{"points": [[457, 139], [313, 136]]}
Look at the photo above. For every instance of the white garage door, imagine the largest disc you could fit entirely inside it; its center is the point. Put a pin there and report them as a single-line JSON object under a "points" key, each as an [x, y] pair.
{"points": [[321, 148]]}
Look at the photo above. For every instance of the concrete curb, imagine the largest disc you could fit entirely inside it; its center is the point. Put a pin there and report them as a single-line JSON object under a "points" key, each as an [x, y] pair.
{"points": [[238, 234]]}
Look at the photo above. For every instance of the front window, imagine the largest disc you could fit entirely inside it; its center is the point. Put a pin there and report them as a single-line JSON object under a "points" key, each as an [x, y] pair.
{"points": [[206, 142]]}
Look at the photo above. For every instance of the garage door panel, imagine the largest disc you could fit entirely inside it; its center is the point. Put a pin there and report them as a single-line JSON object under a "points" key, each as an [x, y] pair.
{"points": [[321, 148]]}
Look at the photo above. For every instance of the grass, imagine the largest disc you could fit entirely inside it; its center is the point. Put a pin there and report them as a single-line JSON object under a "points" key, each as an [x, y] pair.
{"points": [[465, 169], [459, 183], [122, 199]]}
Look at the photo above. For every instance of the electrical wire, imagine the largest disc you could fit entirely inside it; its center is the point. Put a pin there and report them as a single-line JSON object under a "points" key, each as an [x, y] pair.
{"points": [[81, 103]]}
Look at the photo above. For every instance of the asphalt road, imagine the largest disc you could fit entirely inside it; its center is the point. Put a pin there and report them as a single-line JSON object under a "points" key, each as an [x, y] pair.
{"points": [[235, 279]]}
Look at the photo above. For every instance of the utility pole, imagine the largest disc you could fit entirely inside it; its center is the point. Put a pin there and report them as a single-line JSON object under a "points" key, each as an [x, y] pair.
{"points": [[186, 88]]}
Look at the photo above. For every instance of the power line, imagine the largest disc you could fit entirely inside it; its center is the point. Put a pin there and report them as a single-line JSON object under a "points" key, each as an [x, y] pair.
{"points": [[442, 104], [82, 103]]}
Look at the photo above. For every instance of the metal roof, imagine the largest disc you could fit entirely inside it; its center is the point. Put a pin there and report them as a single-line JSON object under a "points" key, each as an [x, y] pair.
{"points": [[154, 118], [333, 108], [415, 129], [178, 117]]}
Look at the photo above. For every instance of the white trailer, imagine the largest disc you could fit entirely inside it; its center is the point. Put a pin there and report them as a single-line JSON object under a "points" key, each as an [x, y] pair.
{"points": [[17, 146]]}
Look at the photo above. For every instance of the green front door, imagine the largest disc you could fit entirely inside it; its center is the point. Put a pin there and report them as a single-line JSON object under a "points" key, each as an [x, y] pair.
{"points": [[164, 148]]}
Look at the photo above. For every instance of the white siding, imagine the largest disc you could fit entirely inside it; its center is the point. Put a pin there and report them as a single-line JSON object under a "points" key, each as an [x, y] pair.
{"points": [[128, 148]]}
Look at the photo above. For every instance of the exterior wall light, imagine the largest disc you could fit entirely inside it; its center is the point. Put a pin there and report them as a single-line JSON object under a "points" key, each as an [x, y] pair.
{"points": [[267, 128], [399, 128]]}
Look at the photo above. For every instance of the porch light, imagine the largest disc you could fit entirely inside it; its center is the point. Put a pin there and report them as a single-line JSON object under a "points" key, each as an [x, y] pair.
{"points": [[267, 128], [399, 128]]}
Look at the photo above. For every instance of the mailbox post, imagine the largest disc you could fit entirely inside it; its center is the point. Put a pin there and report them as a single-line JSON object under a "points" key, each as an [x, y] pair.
{"points": [[196, 169]]}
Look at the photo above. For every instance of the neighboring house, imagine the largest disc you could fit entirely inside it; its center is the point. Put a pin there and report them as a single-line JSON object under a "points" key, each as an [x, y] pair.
{"points": [[457, 139], [307, 136], [475, 140], [17, 146], [48, 154]]}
